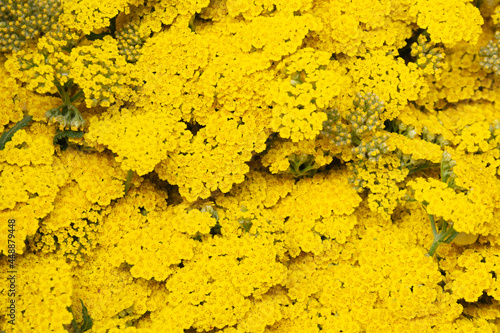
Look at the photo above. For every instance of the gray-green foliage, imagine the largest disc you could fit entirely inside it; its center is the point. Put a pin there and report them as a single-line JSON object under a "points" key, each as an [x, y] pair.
{"points": [[87, 320], [7, 135]]}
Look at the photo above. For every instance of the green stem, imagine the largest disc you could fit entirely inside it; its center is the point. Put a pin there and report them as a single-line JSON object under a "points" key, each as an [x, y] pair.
{"points": [[55, 110], [69, 113], [66, 99], [450, 235], [76, 96], [442, 172], [433, 226], [59, 89], [433, 248], [130, 174], [446, 235], [69, 84], [73, 108]]}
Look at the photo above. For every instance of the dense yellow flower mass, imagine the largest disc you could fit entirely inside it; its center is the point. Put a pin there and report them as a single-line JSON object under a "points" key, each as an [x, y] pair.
{"points": [[249, 166]]}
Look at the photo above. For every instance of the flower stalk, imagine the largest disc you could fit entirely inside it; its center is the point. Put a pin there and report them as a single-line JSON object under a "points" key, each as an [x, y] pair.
{"points": [[67, 114], [445, 235]]}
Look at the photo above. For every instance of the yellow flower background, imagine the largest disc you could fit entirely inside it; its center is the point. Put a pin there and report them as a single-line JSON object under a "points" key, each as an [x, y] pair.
{"points": [[250, 166]]}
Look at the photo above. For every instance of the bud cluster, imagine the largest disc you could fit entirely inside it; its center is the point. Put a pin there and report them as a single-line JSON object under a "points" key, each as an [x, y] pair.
{"points": [[21, 21], [338, 132], [366, 115], [373, 149], [66, 117], [66, 114], [355, 181], [403, 129], [429, 57], [364, 127], [490, 54], [129, 41], [433, 138]]}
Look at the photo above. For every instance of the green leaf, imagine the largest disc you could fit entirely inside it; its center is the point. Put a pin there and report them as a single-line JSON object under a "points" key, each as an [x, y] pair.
{"points": [[76, 329], [73, 322], [61, 137], [87, 321], [7, 136]]}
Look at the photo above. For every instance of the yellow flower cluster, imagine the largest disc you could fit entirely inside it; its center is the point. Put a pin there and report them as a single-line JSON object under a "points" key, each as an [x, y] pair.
{"points": [[308, 83], [389, 78], [39, 66], [402, 292], [358, 27], [10, 91], [262, 166], [159, 133], [70, 229], [309, 218], [246, 266], [382, 179], [429, 56], [98, 175], [212, 160], [92, 15], [102, 73], [152, 243], [114, 299], [278, 158], [28, 182], [43, 287], [471, 206], [496, 15], [472, 273], [444, 20]]}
